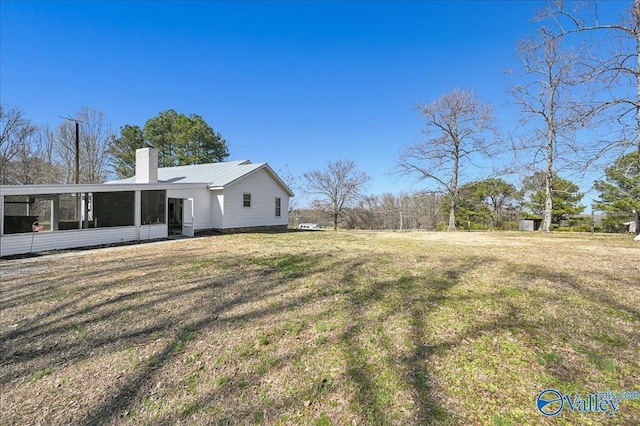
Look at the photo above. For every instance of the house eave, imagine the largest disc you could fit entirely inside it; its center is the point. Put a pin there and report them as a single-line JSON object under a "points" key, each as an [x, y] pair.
{"points": [[264, 166], [6, 190]]}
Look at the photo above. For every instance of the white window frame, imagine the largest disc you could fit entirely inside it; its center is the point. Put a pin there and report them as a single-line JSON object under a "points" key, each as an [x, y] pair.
{"points": [[278, 211], [246, 197]]}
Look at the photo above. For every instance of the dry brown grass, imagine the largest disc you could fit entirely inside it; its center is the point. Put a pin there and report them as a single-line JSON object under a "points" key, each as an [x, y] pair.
{"points": [[322, 328]]}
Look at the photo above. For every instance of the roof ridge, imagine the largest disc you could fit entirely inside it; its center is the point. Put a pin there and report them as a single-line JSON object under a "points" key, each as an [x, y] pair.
{"points": [[239, 162], [218, 174]]}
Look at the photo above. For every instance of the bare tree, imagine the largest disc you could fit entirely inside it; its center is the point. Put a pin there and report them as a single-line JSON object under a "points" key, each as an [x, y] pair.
{"points": [[95, 134], [365, 215], [550, 116], [293, 183], [15, 134], [458, 129], [338, 186], [612, 63], [34, 162], [396, 211]]}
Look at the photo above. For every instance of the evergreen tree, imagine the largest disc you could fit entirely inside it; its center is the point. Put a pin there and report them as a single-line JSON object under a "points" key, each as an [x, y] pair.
{"points": [[122, 150], [620, 193], [180, 140], [565, 196]]}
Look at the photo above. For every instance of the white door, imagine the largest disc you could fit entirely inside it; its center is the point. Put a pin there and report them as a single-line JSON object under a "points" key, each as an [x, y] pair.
{"points": [[187, 217]]}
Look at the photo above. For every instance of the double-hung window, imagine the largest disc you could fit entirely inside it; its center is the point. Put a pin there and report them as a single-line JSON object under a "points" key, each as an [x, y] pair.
{"points": [[278, 207]]}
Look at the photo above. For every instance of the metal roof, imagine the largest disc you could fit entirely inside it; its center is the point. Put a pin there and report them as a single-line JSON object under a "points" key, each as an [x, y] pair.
{"points": [[217, 174], [214, 175]]}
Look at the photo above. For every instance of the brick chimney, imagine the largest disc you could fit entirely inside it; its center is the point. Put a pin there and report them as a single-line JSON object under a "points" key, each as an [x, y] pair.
{"points": [[146, 165]]}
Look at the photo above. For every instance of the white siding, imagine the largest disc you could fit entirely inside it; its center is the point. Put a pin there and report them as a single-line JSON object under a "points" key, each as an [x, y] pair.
{"points": [[264, 190], [202, 205], [42, 241], [149, 232], [217, 209]]}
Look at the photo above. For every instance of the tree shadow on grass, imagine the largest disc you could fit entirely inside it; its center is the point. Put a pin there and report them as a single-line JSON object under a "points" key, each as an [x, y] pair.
{"points": [[509, 318], [47, 339], [372, 403], [585, 326], [386, 386], [589, 290], [419, 296]]}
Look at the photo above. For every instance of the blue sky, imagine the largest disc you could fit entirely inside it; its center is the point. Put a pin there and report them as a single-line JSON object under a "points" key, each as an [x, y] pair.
{"points": [[294, 84]]}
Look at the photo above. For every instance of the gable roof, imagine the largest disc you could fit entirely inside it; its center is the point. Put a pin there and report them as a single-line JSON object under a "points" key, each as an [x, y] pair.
{"points": [[214, 175]]}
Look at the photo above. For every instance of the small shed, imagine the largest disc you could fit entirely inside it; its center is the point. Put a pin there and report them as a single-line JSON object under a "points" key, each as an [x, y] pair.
{"points": [[530, 224], [630, 227]]}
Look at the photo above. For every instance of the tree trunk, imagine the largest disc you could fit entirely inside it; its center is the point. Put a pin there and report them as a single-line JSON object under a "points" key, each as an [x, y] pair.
{"points": [[454, 183], [452, 215], [636, 11], [548, 193], [548, 202], [551, 146], [335, 221]]}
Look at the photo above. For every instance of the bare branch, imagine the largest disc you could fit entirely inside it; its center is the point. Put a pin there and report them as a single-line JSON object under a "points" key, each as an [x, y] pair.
{"points": [[339, 186], [458, 128]]}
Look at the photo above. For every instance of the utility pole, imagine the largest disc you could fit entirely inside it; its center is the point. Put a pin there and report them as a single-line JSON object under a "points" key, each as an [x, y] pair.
{"points": [[77, 153], [77, 180], [82, 207]]}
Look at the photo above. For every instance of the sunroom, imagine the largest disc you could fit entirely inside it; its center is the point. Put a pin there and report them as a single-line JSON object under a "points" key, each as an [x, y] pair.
{"points": [[38, 218]]}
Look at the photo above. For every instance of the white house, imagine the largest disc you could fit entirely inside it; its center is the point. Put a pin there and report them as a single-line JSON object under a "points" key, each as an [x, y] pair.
{"points": [[228, 196]]}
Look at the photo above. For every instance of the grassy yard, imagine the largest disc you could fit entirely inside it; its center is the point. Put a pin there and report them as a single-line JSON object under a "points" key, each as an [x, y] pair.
{"points": [[324, 328]]}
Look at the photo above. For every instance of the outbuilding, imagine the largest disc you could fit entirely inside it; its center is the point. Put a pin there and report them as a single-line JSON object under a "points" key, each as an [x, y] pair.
{"points": [[630, 227], [530, 224], [157, 202]]}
